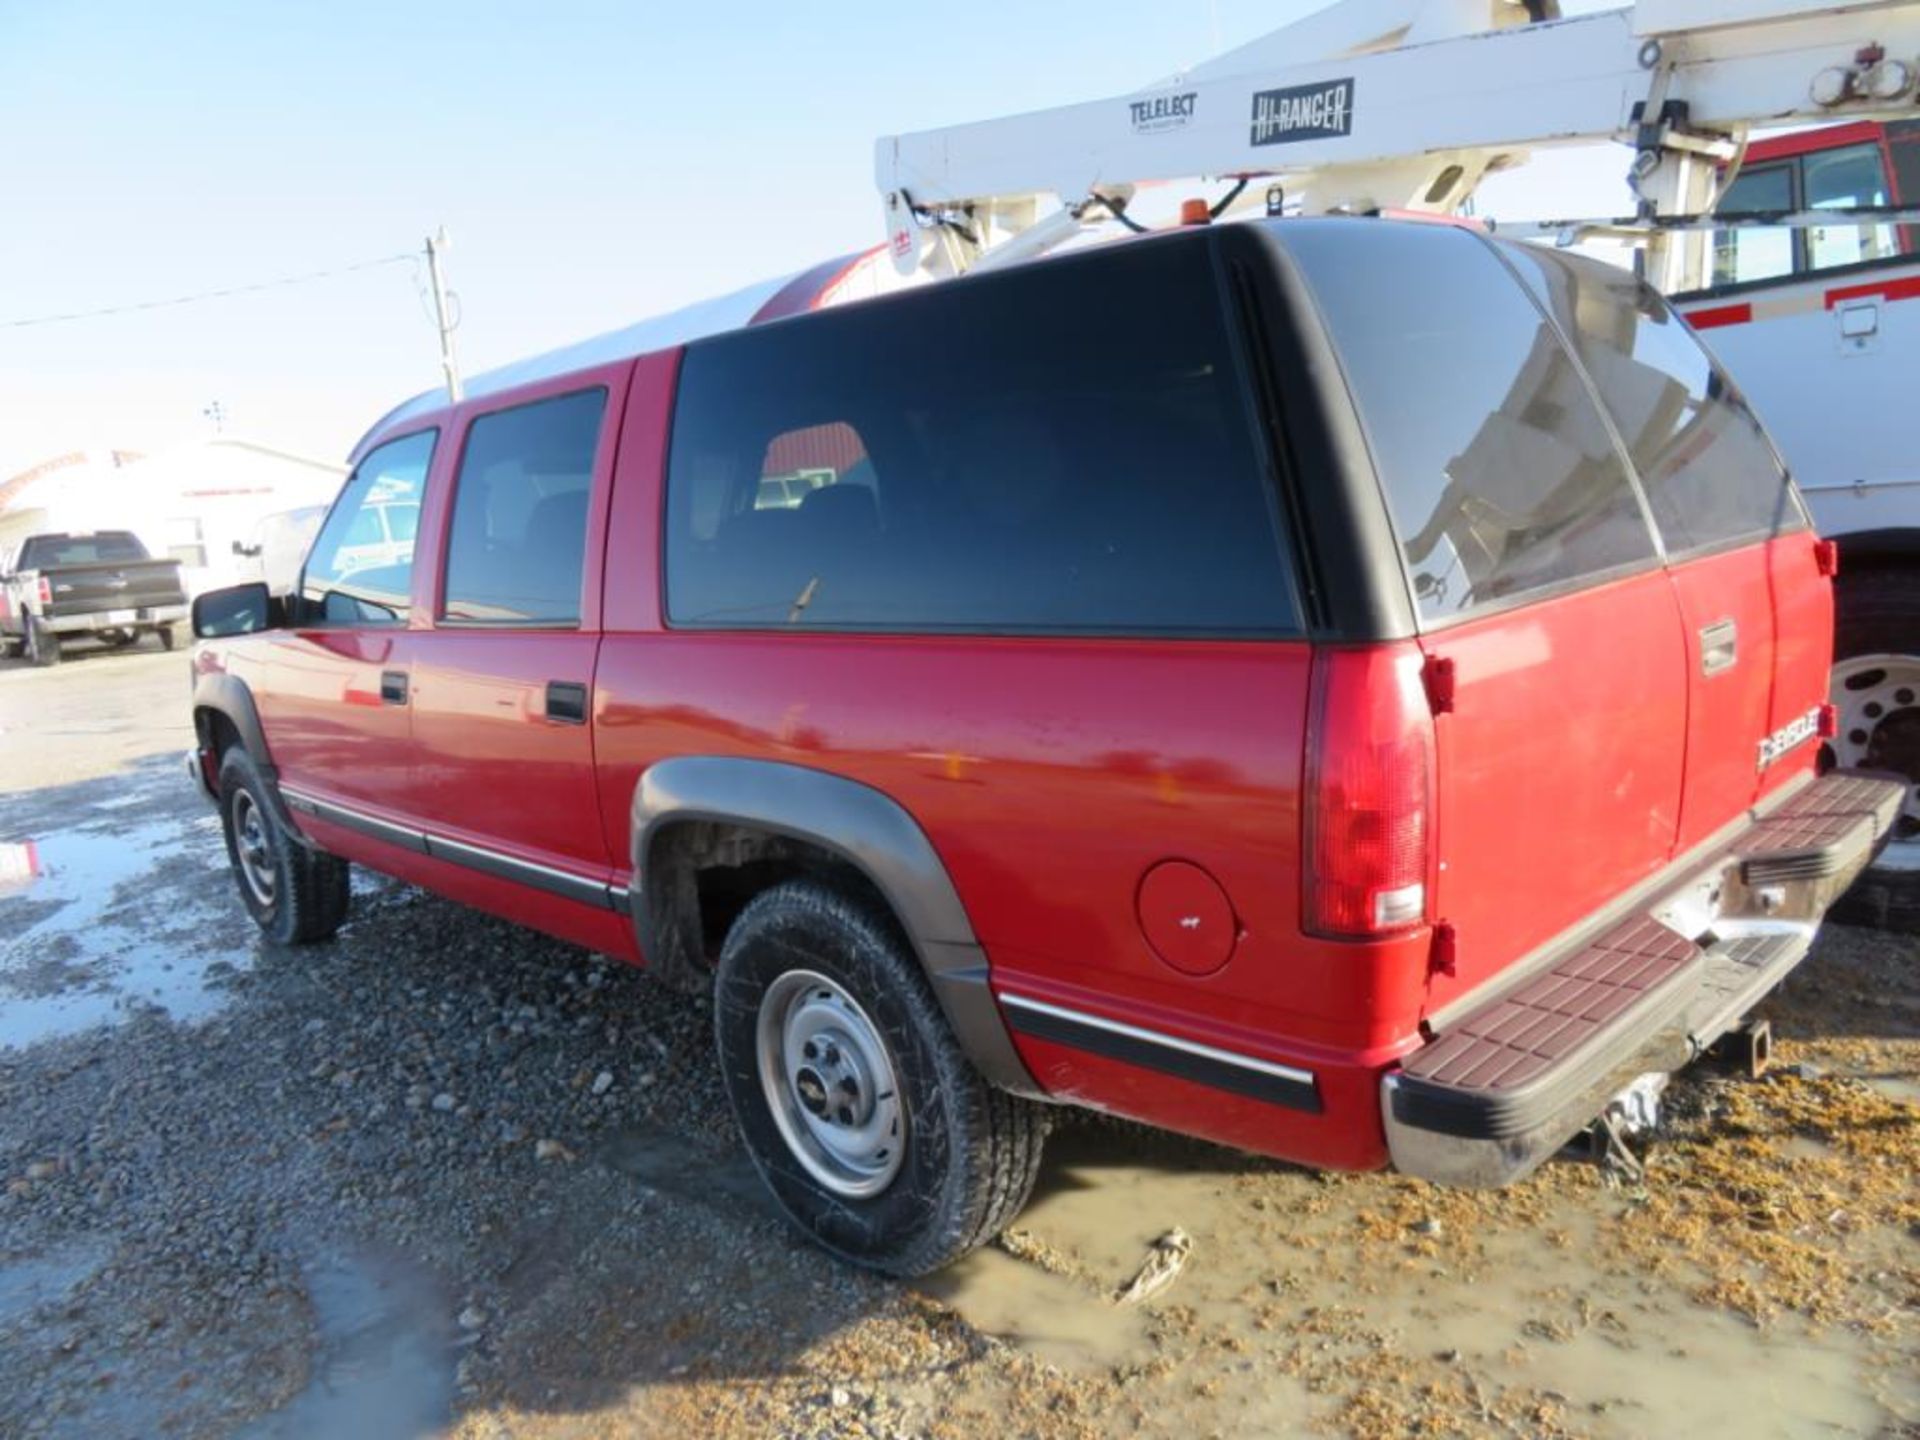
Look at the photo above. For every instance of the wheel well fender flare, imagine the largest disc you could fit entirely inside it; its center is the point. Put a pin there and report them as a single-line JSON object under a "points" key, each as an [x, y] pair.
{"points": [[857, 824], [229, 697]]}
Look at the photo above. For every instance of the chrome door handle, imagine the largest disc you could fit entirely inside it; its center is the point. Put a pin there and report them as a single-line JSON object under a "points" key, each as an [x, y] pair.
{"points": [[1719, 647]]}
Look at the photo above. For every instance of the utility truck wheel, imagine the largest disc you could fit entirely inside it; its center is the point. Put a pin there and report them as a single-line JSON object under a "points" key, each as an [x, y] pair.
{"points": [[295, 894], [43, 645], [1876, 690], [864, 1117]]}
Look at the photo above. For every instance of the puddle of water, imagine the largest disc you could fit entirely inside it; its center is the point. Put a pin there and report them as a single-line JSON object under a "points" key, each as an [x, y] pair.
{"points": [[1277, 1253], [78, 941], [1098, 1219], [29, 1283], [385, 1361], [1635, 1361]]}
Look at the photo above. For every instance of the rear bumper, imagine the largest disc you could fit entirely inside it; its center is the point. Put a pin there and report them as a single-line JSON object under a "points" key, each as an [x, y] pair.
{"points": [[131, 618], [1521, 1069]]}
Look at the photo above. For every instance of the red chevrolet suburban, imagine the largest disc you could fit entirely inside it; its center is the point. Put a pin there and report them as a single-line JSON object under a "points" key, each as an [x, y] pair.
{"points": [[1348, 689]]}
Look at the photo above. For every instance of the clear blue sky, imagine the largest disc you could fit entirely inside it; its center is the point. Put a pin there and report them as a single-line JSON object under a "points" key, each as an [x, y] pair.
{"points": [[595, 163]]}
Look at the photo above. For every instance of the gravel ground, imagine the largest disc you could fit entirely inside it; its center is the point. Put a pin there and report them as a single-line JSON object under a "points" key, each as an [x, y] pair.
{"points": [[442, 1175]]}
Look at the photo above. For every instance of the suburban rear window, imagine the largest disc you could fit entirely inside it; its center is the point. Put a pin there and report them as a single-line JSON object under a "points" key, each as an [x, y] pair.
{"points": [[1708, 470], [1066, 448], [1499, 472]]}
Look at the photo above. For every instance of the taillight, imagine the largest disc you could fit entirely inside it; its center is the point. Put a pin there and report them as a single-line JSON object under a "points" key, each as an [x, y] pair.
{"points": [[1369, 794], [45, 589]]}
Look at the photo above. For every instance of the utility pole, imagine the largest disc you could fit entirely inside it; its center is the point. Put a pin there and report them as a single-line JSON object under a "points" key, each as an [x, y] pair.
{"points": [[437, 245]]}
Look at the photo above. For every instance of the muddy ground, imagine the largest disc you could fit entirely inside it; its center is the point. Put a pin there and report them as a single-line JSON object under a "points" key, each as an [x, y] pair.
{"points": [[444, 1176]]}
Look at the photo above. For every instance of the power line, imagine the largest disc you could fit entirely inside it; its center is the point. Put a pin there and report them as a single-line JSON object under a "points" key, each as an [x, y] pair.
{"points": [[222, 294]]}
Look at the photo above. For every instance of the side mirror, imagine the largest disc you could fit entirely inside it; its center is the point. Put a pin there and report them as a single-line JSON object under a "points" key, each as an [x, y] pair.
{"points": [[236, 610]]}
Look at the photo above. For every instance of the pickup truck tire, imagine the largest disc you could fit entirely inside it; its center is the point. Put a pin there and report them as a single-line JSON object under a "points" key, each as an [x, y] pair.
{"points": [[169, 637], [821, 1005], [43, 645], [297, 895], [1879, 704]]}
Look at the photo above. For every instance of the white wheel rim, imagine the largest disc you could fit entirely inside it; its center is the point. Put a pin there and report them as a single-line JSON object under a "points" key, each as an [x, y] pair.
{"points": [[1877, 698], [830, 1084]]}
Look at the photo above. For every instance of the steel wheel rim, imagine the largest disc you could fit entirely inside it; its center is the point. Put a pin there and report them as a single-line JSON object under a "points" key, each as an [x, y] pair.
{"points": [[1878, 700], [830, 1084], [253, 848]]}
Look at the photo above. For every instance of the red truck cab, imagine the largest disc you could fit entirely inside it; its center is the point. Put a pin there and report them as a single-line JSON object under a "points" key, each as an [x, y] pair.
{"points": [[1346, 689]]}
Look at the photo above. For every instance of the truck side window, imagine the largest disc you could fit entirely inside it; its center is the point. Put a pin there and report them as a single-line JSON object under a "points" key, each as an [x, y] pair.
{"points": [[360, 570], [1708, 470], [1755, 252], [1499, 472], [1064, 449], [519, 538], [1838, 180]]}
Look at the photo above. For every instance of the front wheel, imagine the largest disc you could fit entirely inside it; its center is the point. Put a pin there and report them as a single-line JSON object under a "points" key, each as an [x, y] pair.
{"points": [[859, 1108], [295, 894], [1876, 692]]}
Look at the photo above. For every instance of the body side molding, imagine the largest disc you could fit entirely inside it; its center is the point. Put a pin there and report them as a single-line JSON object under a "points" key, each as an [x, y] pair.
{"points": [[860, 825]]}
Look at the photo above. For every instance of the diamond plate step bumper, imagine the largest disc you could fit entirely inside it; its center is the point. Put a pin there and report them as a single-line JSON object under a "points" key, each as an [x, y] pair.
{"points": [[1506, 1084]]}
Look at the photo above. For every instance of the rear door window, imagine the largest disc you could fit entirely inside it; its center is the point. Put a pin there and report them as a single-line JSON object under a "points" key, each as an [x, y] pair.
{"points": [[357, 573], [517, 547], [1709, 472], [1500, 474], [1062, 449]]}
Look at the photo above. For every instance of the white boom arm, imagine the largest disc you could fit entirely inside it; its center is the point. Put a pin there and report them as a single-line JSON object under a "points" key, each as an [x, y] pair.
{"points": [[1407, 104]]}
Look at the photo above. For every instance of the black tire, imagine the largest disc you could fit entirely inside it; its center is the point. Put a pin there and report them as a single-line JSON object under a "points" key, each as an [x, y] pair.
{"points": [[169, 636], [307, 895], [43, 645], [971, 1151], [12, 647], [1878, 613]]}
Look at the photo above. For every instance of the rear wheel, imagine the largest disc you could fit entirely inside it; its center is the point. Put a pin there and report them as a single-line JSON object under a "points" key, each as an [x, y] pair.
{"points": [[12, 647], [43, 645], [1876, 690], [169, 636], [297, 895], [861, 1112]]}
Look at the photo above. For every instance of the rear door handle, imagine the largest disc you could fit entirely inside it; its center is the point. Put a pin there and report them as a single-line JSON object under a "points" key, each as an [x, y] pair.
{"points": [[393, 687], [1718, 647], [567, 702]]}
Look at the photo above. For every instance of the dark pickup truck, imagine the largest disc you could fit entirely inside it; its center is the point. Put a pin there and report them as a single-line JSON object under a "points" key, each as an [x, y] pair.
{"points": [[100, 583]]}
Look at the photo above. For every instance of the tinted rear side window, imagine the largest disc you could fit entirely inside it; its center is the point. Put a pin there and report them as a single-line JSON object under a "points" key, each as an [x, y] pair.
{"points": [[519, 536], [1499, 471], [1709, 473], [1065, 448]]}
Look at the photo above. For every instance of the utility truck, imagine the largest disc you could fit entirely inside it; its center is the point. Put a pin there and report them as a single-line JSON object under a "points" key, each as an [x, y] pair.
{"points": [[1797, 255]]}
